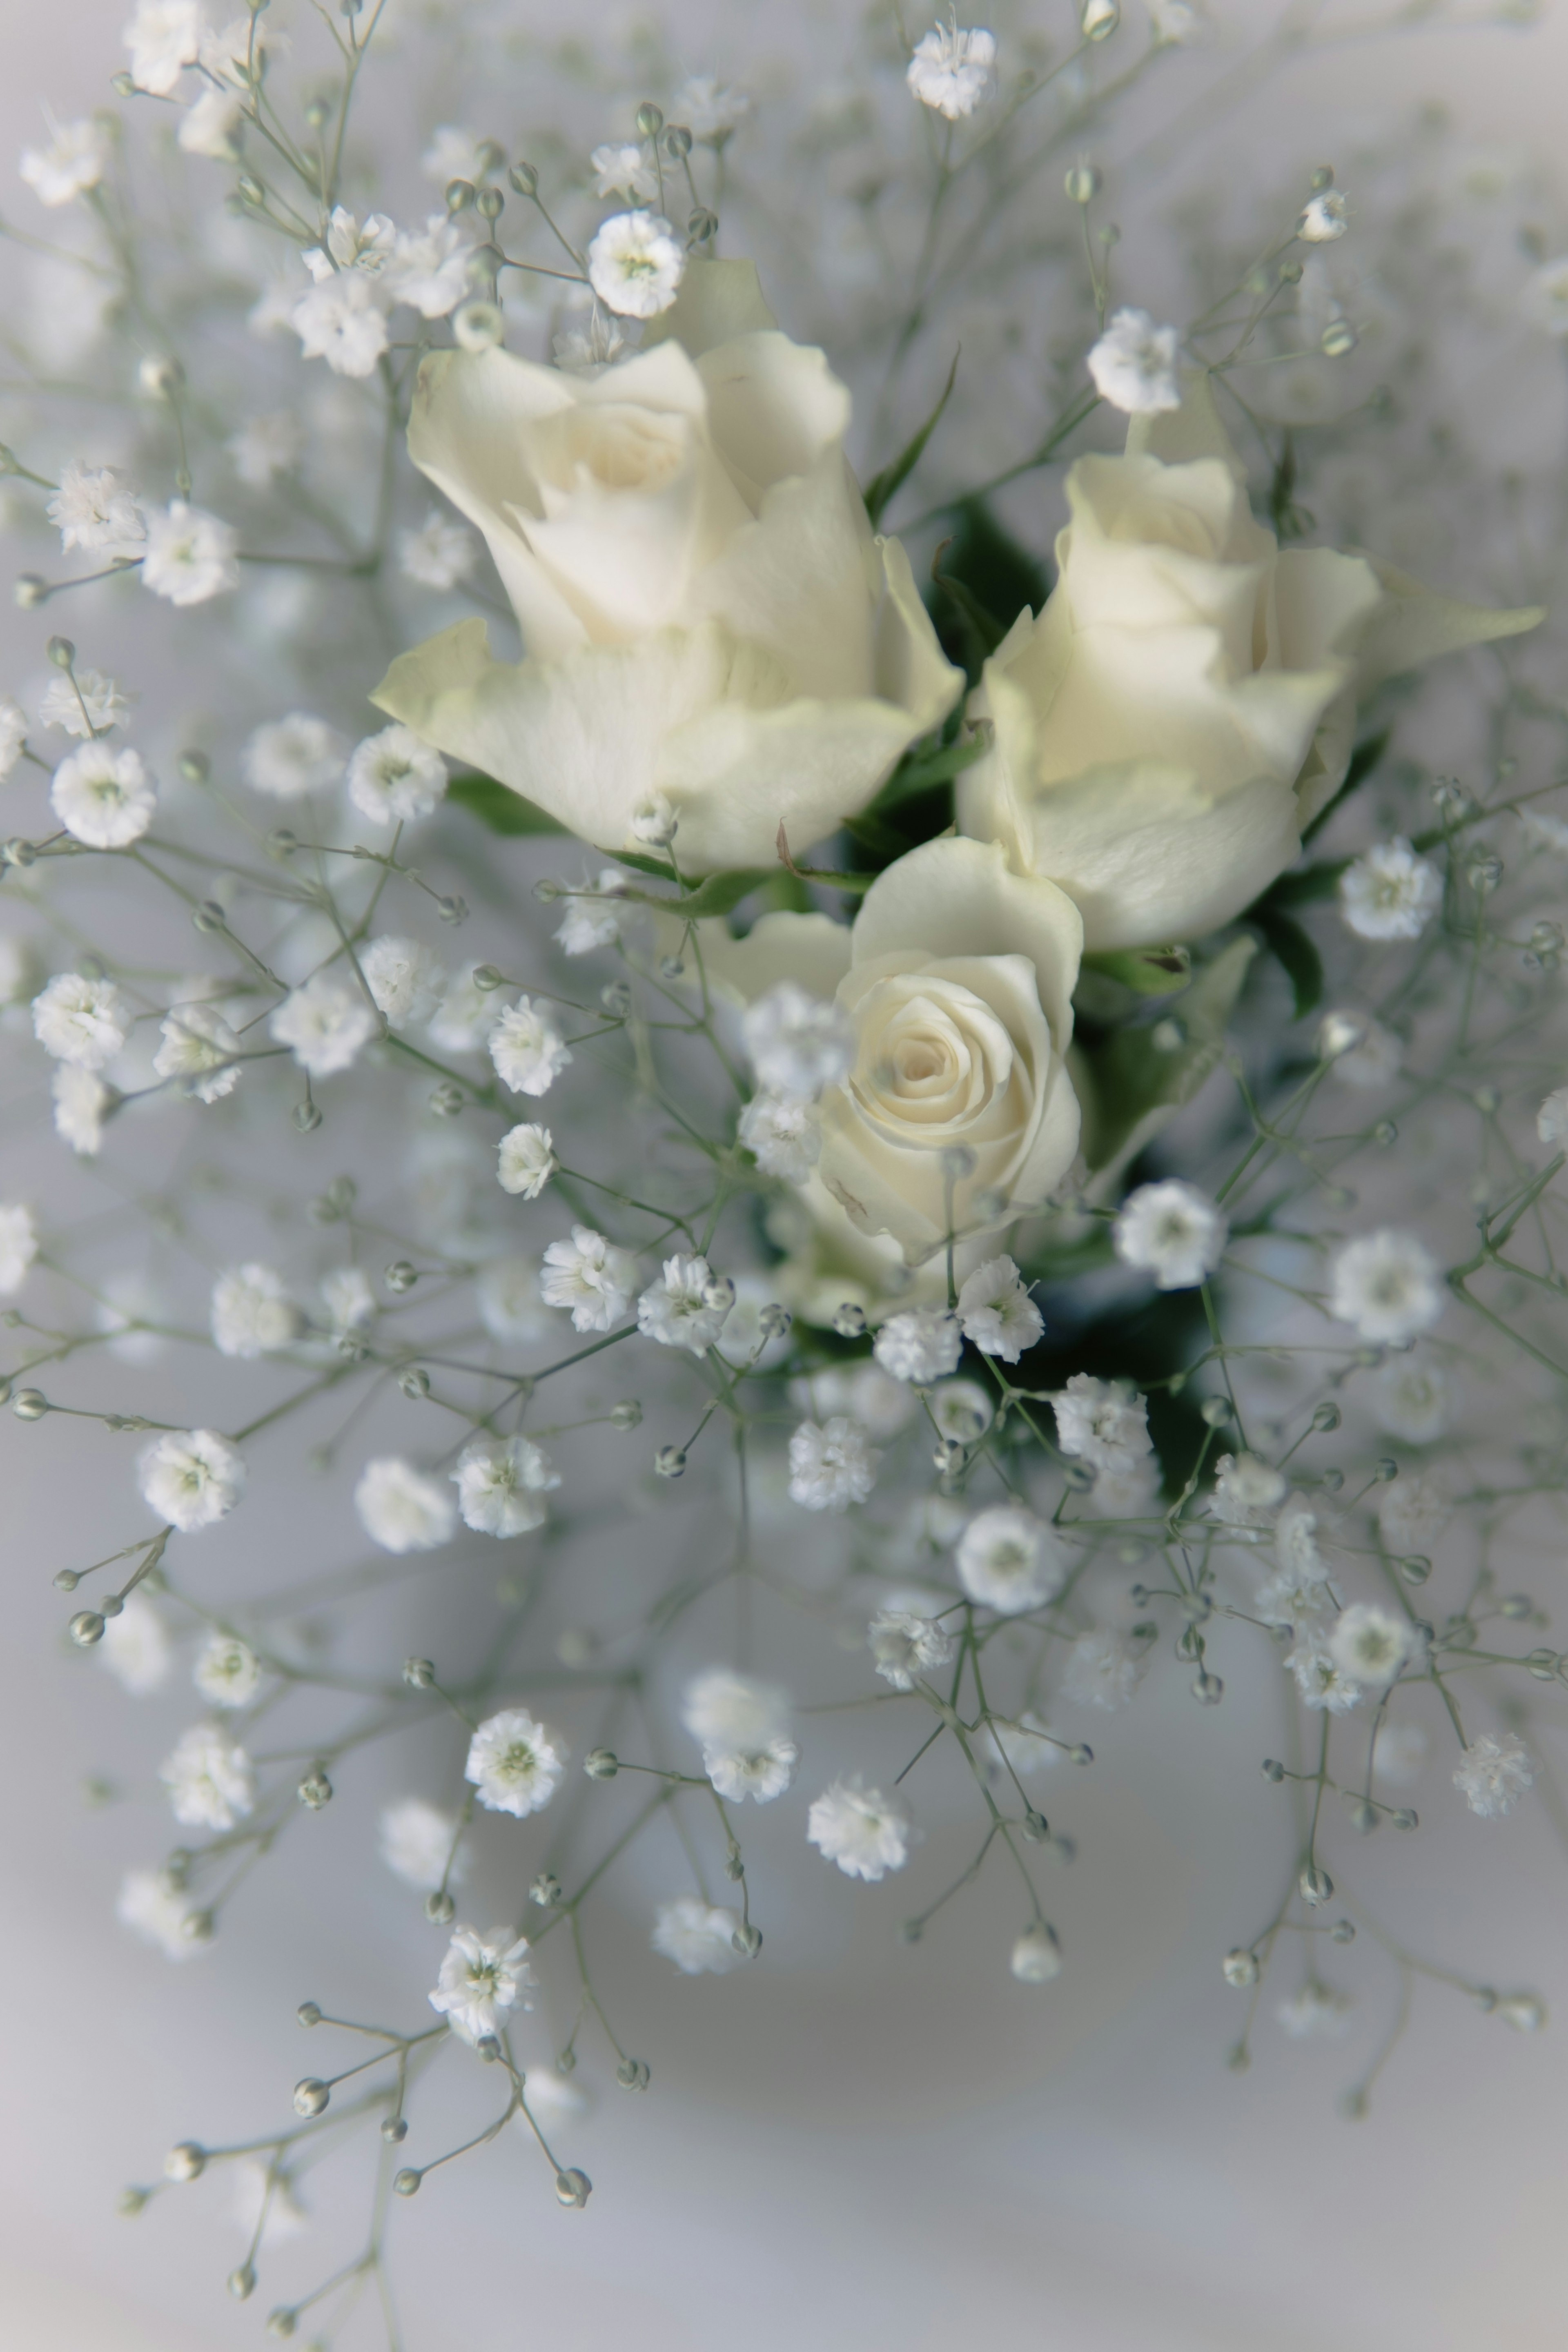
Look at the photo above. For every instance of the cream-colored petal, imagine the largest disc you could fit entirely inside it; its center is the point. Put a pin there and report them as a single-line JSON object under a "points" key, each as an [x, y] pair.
{"points": [[775, 408], [811, 949], [718, 300], [1178, 436], [1414, 625], [804, 581], [953, 898], [912, 670]]}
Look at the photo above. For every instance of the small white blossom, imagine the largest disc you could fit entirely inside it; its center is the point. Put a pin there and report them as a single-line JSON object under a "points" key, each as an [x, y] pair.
{"points": [[686, 1307], [415, 1841], [453, 155], [75, 160], [88, 704], [528, 1160], [1322, 1682], [1037, 1957], [1544, 301], [762, 1773], [341, 321], [1389, 893], [501, 1484], [1388, 1285], [831, 1466], [198, 1048], [952, 70], [863, 1392], [722, 1709], [13, 737], [1317, 2012], [324, 1024], [211, 127], [654, 821], [161, 1916], [1134, 365], [192, 1477], [1552, 1120], [1412, 1513], [439, 554], [135, 1648], [210, 1781], [269, 444], [799, 1043], [1371, 1066], [1324, 218], [1370, 1645], [635, 264], [865, 1832], [18, 1248], [527, 1048], [163, 37], [905, 1645], [782, 1134], [406, 980], [996, 1313], [515, 1763], [697, 1935], [428, 268], [292, 756], [465, 1016], [1493, 1773], [1173, 20], [589, 350], [1007, 1559], [921, 1345], [80, 1021], [590, 923], [1247, 1491], [507, 1295], [1413, 1399], [481, 1978], [591, 1277], [401, 1509], [394, 778], [622, 169], [96, 511], [1102, 1422], [1102, 1670], [1173, 1230], [103, 797], [1398, 1753], [348, 1299], [190, 556], [252, 1313], [81, 1102], [711, 111], [228, 1672]]}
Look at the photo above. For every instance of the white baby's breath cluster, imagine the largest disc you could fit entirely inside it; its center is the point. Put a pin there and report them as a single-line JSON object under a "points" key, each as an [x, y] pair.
{"points": [[979, 1149]]}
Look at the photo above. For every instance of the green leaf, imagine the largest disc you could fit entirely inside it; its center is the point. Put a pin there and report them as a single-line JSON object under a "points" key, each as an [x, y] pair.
{"points": [[659, 866], [500, 807], [882, 486], [1148, 971], [921, 769], [1300, 888], [987, 631], [1140, 1076], [719, 894], [1363, 760], [1286, 940]]}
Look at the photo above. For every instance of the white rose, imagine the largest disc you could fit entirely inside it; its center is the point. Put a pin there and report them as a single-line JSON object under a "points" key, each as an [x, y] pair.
{"points": [[957, 979], [705, 612], [1186, 702]]}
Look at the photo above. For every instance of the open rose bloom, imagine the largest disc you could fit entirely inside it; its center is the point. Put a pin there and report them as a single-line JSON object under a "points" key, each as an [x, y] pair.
{"points": [[705, 611]]}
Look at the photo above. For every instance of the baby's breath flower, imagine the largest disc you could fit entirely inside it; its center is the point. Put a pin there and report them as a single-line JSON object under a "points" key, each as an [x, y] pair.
{"points": [[1398, 1752], [506, 1293], [82, 1100], [1035, 1958], [527, 1048], [1552, 1118], [324, 1024], [348, 1299], [710, 110], [481, 1978], [1248, 1492], [18, 1248], [1102, 1670], [1173, 1230], [1102, 1422], [515, 1763], [1324, 218], [190, 556], [1389, 893], [1412, 1513], [1370, 1645], [465, 1016], [590, 923], [831, 1466], [527, 1160], [591, 1277], [266, 446], [799, 1043], [1320, 1679], [1493, 1773], [95, 509], [415, 1840], [87, 704], [921, 1345], [341, 321], [1134, 365], [75, 160], [209, 1779], [13, 730], [199, 1048], [439, 554], [952, 70], [862, 1391], [162, 1916], [401, 1509], [905, 1645], [428, 269], [1173, 20], [635, 264], [228, 1672], [80, 1021], [865, 1832], [996, 1313], [625, 170], [405, 980], [742, 1727], [697, 1935], [762, 1773], [192, 1477], [394, 778], [782, 1134], [163, 37], [686, 1307], [1373, 1065], [291, 756], [103, 797], [252, 1313], [1317, 2011], [1388, 1285], [452, 153], [501, 1484], [1008, 1559], [135, 1648]]}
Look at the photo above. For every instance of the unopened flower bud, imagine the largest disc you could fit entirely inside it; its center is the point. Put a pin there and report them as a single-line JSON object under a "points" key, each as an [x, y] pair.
{"points": [[1342, 1932], [61, 652], [406, 2182], [242, 2283], [1100, 19], [447, 1100], [545, 1890], [491, 202], [524, 179], [487, 979], [488, 2048], [441, 1909], [649, 120], [747, 1941], [632, 2074], [187, 2162], [616, 999], [400, 1277], [669, 1462], [311, 2097], [414, 1383], [1083, 184], [306, 1116], [1338, 337], [1037, 1957], [1326, 1416], [453, 910], [677, 141], [479, 325], [1240, 1968], [308, 2012], [86, 1628], [574, 2188], [655, 823], [850, 1321], [460, 195], [418, 1673], [600, 1763], [394, 2130], [1315, 1885], [315, 1789], [160, 376], [30, 591], [701, 224], [209, 917]]}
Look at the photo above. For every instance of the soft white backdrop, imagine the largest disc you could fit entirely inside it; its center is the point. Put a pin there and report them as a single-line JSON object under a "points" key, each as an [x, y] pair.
{"points": [[888, 2146]]}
